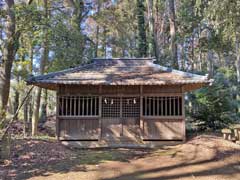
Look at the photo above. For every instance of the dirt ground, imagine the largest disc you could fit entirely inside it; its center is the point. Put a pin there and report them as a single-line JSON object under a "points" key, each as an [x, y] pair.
{"points": [[204, 157]]}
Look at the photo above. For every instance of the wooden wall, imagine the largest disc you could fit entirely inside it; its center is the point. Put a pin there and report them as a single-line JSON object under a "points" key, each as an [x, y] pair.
{"points": [[79, 128], [98, 128], [163, 129]]}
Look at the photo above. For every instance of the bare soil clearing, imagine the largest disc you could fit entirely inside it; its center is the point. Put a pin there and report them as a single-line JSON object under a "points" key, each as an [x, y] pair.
{"points": [[204, 157]]}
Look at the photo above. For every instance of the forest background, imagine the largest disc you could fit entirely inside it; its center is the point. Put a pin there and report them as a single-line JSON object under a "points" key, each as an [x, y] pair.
{"points": [[199, 36]]}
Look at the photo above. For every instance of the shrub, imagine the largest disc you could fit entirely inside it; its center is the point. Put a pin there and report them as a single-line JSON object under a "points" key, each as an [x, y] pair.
{"points": [[215, 106]]}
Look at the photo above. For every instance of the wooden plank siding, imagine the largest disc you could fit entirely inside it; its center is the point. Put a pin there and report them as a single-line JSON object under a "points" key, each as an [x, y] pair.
{"points": [[79, 129], [162, 119], [166, 129]]}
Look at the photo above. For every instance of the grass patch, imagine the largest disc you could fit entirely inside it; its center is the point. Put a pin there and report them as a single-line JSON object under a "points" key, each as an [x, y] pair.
{"points": [[165, 152], [95, 157]]}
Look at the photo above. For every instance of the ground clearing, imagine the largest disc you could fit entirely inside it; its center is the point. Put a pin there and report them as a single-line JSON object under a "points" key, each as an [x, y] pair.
{"points": [[204, 157]]}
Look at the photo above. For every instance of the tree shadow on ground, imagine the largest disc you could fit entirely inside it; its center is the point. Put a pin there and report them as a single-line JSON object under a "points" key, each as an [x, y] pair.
{"points": [[40, 158], [207, 167], [143, 175]]}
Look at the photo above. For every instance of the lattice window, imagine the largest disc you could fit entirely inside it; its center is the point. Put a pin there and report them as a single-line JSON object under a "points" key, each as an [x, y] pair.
{"points": [[111, 107], [162, 106], [130, 107], [78, 106]]}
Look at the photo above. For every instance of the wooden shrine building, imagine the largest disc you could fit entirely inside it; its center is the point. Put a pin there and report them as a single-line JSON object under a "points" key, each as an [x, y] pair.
{"points": [[120, 100]]}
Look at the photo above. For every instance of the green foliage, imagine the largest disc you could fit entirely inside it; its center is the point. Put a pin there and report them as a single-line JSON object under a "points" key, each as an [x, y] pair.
{"points": [[224, 15], [188, 18], [118, 28], [215, 106], [203, 27], [67, 45]]}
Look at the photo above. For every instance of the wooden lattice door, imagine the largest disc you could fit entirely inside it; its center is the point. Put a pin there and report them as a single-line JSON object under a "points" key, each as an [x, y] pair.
{"points": [[111, 121], [120, 118], [131, 118]]}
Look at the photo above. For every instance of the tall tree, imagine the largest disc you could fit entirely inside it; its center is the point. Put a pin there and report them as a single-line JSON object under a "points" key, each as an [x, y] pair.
{"points": [[173, 44], [97, 30], [142, 39], [68, 41], [238, 56], [151, 42], [225, 17], [9, 51], [44, 60], [160, 24]]}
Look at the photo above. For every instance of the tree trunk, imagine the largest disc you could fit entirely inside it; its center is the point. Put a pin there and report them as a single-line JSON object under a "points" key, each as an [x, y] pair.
{"points": [[9, 52], [172, 22], [97, 30], [238, 57], [238, 67], [25, 118], [210, 63], [78, 8], [44, 107], [142, 40], [29, 102], [159, 31], [97, 40], [16, 101], [30, 114], [43, 62], [209, 57], [151, 42], [104, 41], [35, 118], [181, 56]]}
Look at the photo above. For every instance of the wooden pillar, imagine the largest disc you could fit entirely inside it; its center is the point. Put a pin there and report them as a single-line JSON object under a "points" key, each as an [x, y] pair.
{"points": [[57, 114], [100, 112], [121, 114], [141, 112], [183, 115]]}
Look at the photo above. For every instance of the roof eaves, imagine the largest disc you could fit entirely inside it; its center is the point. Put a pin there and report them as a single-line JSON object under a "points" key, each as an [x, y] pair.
{"points": [[58, 73], [182, 73]]}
